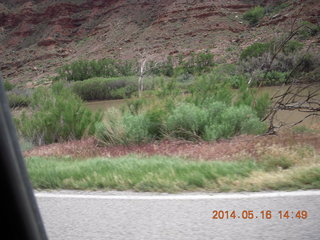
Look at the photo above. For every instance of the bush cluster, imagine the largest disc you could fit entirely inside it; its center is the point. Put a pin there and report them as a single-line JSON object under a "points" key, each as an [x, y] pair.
{"points": [[186, 121], [254, 15], [257, 61], [255, 50], [197, 63], [308, 30], [56, 115], [105, 88], [123, 128], [8, 86], [211, 112], [258, 49], [85, 69]]}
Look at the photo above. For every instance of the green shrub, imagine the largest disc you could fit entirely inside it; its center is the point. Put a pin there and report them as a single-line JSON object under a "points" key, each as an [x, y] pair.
{"points": [[255, 50], [8, 86], [214, 110], [254, 15], [275, 78], [56, 115], [249, 97], [253, 125], [236, 80], [308, 62], [157, 116], [262, 105], [211, 86], [210, 121], [204, 62], [137, 128], [308, 30], [187, 121], [197, 63], [112, 131], [165, 68], [136, 105], [233, 121], [85, 69], [256, 60], [16, 100], [167, 87], [119, 128], [105, 88], [292, 46]]}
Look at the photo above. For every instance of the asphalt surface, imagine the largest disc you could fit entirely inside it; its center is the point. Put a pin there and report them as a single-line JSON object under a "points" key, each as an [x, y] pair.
{"points": [[126, 215]]}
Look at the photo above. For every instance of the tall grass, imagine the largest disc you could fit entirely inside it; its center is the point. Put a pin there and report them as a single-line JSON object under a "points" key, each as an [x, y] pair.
{"points": [[123, 128], [280, 168], [18, 100], [133, 173]]}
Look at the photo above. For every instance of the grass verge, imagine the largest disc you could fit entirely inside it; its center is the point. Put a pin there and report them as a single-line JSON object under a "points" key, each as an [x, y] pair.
{"points": [[170, 174]]}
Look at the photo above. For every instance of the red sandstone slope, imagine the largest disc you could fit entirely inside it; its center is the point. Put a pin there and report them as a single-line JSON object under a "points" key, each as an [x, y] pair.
{"points": [[37, 36]]}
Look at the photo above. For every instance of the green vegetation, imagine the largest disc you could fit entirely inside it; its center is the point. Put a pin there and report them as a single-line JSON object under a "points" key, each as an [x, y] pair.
{"points": [[259, 48], [254, 15], [211, 112], [85, 69], [18, 100], [303, 129], [105, 88], [56, 115], [181, 97], [124, 128], [276, 7], [195, 64], [308, 30], [255, 50], [292, 169], [292, 47], [133, 172], [256, 65], [8, 86]]}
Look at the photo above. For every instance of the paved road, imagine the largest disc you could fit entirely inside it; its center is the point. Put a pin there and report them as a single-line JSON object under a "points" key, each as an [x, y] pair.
{"points": [[122, 215]]}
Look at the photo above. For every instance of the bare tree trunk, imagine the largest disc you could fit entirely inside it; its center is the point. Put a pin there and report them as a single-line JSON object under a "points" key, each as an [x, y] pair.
{"points": [[140, 81], [297, 96]]}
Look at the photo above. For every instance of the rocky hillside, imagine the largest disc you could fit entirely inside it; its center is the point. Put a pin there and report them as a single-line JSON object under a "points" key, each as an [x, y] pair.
{"points": [[37, 36]]}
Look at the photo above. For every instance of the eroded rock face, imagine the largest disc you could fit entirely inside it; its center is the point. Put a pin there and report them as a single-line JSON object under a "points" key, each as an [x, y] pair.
{"points": [[31, 30], [70, 19]]}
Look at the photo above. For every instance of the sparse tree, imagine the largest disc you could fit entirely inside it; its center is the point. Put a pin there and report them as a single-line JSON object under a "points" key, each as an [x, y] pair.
{"points": [[296, 94]]}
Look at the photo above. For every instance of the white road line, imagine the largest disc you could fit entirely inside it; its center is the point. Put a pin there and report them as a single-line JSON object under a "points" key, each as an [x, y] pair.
{"points": [[180, 197]]}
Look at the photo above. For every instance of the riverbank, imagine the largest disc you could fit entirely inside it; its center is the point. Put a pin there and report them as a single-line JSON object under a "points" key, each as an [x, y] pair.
{"points": [[245, 145]]}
